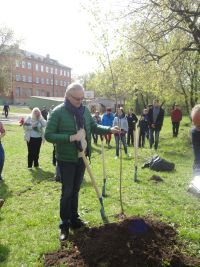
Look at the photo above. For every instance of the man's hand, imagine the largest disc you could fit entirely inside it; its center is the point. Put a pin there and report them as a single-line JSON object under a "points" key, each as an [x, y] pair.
{"points": [[115, 130], [77, 136]]}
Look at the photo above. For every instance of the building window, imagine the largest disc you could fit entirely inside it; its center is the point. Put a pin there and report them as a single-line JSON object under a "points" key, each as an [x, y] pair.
{"points": [[61, 83], [42, 93], [17, 91], [51, 81], [30, 79], [47, 69], [42, 68], [18, 77], [61, 72], [37, 80], [17, 63], [36, 67], [64, 72], [51, 70], [48, 94], [29, 92], [37, 92], [56, 82], [23, 64], [56, 71], [42, 80], [47, 81], [64, 83], [23, 78], [29, 65]]}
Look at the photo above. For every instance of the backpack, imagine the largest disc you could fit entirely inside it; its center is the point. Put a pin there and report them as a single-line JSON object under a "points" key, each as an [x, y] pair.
{"points": [[159, 164]]}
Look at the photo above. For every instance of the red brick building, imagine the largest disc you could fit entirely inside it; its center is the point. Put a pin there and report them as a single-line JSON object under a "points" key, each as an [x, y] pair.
{"points": [[35, 75]]}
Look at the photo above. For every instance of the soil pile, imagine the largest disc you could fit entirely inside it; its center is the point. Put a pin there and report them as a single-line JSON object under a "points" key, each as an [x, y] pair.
{"points": [[134, 242]]}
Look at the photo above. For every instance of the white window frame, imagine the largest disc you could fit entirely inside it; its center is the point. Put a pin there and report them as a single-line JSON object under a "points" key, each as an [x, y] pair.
{"points": [[23, 64], [29, 65]]}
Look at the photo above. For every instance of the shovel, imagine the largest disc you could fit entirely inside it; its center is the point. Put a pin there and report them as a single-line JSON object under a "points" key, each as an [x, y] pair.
{"points": [[136, 141], [79, 147], [104, 170]]}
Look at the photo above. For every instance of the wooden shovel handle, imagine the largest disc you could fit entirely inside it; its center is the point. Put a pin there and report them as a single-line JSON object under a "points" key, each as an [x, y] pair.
{"points": [[90, 173]]}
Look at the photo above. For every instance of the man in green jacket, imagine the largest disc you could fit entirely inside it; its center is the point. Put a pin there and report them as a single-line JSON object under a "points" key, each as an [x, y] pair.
{"points": [[69, 123]]}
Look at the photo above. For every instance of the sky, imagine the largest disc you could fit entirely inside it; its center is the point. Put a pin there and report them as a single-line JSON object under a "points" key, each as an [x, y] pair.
{"points": [[59, 28]]}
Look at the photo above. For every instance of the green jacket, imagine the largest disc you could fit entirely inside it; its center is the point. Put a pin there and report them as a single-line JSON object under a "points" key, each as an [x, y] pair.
{"points": [[61, 124]]}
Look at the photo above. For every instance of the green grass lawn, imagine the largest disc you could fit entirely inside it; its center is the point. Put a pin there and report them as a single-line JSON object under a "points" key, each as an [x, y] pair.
{"points": [[30, 216]]}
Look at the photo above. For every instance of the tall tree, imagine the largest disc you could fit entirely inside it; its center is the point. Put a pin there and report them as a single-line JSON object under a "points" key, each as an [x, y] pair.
{"points": [[9, 50]]}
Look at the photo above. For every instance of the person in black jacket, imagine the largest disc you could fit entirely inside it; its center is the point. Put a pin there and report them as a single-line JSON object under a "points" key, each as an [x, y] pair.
{"points": [[143, 124], [132, 120], [155, 122]]}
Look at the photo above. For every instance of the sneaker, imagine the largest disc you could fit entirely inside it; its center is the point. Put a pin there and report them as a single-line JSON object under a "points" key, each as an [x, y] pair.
{"points": [[64, 233], [116, 157], [29, 168], [77, 223], [128, 155]]}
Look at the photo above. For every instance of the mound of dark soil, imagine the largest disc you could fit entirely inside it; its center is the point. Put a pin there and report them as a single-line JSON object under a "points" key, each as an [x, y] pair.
{"points": [[134, 242]]}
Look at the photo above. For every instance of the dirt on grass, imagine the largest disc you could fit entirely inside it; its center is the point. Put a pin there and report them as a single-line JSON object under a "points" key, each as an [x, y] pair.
{"points": [[134, 242]]}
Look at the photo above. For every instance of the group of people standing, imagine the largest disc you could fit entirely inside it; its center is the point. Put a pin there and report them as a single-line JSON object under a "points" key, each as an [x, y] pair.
{"points": [[149, 125]]}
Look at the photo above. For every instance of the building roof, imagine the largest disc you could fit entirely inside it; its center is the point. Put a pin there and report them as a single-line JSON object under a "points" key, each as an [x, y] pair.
{"points": [[45, 59]]}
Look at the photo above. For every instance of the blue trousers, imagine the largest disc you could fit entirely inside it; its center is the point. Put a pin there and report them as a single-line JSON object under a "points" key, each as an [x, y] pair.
{"points": [[2, 158], [71, 179], [153, 140], [123, 139]]}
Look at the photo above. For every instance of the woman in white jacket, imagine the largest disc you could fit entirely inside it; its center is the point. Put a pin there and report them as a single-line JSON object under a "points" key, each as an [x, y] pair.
{"points": [[34, 135], [121, 121]]}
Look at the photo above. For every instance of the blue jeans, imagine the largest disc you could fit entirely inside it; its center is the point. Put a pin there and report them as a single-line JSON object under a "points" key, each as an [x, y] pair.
{"points": [[123, 139], [153, 132], [71, 179], [2, 158]]}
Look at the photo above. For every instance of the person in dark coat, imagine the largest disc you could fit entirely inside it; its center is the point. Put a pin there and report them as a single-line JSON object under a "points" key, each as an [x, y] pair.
{"points": [[176, 117], [143, 124], [96, 117], [145, 114], [6, 109], [155, 122], [132, 120], [44, 113]]}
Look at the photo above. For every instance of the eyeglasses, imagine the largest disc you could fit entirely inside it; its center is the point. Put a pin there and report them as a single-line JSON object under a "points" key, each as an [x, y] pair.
{"points": [[77, 98]]}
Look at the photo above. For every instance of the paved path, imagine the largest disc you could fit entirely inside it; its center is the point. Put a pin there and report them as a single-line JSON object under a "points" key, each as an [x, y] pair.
{"points": [[13, 118]]}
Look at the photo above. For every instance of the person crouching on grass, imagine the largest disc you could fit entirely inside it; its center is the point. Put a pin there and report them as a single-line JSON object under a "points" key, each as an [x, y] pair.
{"points": [[69, 123], [34, 136], [195, 134]]}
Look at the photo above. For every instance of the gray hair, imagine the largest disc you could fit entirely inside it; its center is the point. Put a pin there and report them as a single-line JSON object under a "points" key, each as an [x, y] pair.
{"points": [[196, 109], [73, 87]]}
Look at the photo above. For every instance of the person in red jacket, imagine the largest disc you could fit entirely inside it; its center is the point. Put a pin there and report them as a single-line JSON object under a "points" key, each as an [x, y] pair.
{"points": [[176, 117]]}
